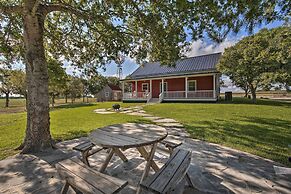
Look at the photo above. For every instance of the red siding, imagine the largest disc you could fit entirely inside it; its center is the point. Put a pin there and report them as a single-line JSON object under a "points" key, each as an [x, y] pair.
{"points": [[156, 88], [203, 82], [176, 84]]}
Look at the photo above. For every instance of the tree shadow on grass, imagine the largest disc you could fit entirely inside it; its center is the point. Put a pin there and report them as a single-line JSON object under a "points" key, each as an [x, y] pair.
{"points": [[266, 102], [77, 105], [265, 137]]}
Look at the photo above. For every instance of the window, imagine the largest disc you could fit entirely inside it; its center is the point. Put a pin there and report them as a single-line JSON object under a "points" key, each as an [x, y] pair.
{"points": [[106, 94], [145, 87], [192, 85], [165, 87]]}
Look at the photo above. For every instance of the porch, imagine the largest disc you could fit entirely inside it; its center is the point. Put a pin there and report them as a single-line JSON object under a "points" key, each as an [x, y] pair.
{"points": [[186, 88]]}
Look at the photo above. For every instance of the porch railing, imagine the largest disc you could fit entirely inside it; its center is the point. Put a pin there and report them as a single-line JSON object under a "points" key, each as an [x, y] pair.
{"points": [[199, 94], [136, 95]]}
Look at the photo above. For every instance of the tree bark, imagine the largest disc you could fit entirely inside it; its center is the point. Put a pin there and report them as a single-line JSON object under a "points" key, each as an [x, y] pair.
{"points": [[7, 99], [66, 98], [37, 136], [253, 92]]}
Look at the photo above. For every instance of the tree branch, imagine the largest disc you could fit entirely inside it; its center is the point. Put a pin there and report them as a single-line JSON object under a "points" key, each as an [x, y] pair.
{"points": [[7, 10], [65, 8]]}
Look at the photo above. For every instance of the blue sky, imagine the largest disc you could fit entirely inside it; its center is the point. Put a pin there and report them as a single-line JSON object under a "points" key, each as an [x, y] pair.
{"points": [[198, 47]]}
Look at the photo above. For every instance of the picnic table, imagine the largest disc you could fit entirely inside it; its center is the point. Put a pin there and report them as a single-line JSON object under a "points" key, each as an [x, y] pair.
{"points": [[130, 135]]}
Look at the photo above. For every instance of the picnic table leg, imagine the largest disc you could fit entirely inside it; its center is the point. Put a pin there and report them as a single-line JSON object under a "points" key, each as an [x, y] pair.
{"points": [[145, 155], [107, 160], [149, 160], [120, 154]]}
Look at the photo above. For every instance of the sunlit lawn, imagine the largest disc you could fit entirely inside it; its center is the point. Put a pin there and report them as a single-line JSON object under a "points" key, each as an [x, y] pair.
{"points": [[263, 129], [67, 122]]}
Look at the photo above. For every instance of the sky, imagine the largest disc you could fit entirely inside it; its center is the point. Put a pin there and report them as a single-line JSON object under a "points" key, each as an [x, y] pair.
{"points": [[199, 47]]}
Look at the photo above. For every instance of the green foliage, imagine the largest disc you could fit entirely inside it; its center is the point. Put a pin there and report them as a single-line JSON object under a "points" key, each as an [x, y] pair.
{"points": [[57, 78], [254, 61], [113, 81], [75, 87], [96, 84], [96, 32]]}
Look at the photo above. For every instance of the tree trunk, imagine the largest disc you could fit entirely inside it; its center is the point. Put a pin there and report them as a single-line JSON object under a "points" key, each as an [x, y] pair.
{"points": [[246, 93], [87, 100], [7, 99], [66, 98], [254, 95], [83, 98], [37, 136]]}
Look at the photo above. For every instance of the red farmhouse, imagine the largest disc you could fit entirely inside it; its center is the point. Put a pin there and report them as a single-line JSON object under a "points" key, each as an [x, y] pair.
{"points": [[192, 79]]}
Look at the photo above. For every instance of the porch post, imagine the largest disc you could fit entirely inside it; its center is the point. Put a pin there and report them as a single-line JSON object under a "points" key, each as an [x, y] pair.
{"points": [[214, 86], [186, 87], [123, 89], [162, 85], [151, 90], [135, 88]]}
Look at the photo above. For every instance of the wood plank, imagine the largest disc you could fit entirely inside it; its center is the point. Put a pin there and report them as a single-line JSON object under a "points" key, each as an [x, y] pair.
{"points": [[179, 174], [83, 146], [145, 155], [108, 139], [171, 173], [76, 181], [136, 132], [103, 183], [148, 165], [170, 144], [120, 154], [114, 180], [107, 160]]}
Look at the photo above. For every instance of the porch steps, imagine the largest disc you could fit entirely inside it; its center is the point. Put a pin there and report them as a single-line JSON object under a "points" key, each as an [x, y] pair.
{"points": [[153, 101]]}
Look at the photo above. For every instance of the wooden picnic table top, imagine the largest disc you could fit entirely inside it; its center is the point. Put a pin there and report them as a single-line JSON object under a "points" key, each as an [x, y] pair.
{"points": [[128, 135]]}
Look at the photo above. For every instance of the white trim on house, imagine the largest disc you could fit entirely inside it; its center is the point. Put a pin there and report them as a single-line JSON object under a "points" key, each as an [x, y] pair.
{"points": [[170, 77]]}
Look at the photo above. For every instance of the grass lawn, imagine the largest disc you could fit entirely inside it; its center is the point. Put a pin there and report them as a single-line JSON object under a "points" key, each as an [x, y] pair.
{"points": [[67, 122], [263, 129]]}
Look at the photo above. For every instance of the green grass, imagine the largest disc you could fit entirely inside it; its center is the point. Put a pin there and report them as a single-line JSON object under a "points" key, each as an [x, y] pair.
{"points": [[263, 129], [67, 122]]}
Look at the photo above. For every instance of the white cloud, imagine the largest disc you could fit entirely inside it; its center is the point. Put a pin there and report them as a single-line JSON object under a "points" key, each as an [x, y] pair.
{"points": [[200, 47]]}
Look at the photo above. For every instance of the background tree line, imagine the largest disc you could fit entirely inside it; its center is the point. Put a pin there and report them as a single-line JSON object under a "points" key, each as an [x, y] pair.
{"points": [[61, 84]]}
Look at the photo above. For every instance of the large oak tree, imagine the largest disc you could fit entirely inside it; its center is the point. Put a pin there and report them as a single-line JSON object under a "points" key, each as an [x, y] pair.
{"points": [[259, 60], [96, 32]]}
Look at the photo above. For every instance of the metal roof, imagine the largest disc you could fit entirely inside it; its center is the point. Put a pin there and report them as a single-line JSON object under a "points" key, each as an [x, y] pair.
{"points": [[197, 64]]}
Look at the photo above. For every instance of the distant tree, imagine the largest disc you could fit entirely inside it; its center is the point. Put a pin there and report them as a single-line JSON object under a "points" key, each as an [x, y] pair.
{"points": [[113, 81], [96, 84], [57, 79], [75, 87], [6, 84], [19, 83], [249, 61]]}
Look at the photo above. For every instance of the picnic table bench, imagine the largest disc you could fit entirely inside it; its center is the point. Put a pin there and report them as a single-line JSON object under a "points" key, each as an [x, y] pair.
{"points": [[87, 180], [87, 149], [167, 178]]}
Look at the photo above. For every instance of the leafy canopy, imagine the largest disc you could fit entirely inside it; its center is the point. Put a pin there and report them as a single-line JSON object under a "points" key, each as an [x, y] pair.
{"points": [[95, 32], [257, 60]]}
